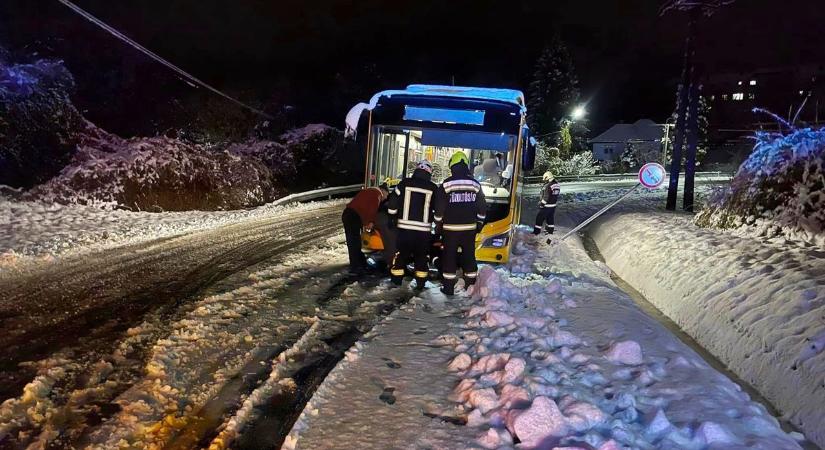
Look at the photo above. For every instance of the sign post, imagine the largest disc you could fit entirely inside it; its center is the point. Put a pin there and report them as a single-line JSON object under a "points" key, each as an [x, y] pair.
{"points": [[651, 176]]}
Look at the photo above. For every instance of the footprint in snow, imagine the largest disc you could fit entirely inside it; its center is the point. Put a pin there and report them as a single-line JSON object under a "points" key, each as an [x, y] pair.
{"points": [[392, 364], [387, 396]]}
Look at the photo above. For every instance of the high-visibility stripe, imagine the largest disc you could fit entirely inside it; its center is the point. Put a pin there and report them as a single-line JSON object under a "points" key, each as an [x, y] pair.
{"points": [[397, 272], [452, 183], [461, 227], [438, 218], [392, 211], [462, 189], [421, 274], [549, 206], [414, 225], [543, 202], [481, 216], [414, 228], [449, 276], [471, 274]]}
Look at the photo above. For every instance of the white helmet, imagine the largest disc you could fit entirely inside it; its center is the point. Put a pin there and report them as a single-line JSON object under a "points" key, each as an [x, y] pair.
{"points": [[425, 165], [547, 176]]}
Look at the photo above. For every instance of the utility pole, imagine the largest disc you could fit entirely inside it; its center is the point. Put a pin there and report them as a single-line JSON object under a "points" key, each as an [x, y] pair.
{"points": [[687, 103]]}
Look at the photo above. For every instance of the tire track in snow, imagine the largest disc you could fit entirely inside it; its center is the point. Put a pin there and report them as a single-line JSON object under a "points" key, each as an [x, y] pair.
{"points": [[93, 298]]}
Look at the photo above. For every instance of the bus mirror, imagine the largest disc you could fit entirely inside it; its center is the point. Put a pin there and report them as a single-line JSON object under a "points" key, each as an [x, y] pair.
{"points": [[528, 158]]}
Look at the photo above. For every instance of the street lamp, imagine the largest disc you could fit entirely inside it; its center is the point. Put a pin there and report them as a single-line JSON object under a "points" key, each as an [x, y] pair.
{"points": [[578, 112]]}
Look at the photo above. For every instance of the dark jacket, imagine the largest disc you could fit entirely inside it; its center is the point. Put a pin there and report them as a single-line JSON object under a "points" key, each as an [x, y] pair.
{"points": [[411, 203], [550, 194], [459, 203]]}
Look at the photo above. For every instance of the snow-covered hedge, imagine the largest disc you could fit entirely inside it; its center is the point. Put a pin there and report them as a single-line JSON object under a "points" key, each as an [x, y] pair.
{"points": [[38, 123], [780, 188], [158, 174]]}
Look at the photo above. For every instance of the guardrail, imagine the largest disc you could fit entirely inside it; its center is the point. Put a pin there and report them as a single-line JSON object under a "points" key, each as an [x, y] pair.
{"points": [[325, 193], [619, 176]]}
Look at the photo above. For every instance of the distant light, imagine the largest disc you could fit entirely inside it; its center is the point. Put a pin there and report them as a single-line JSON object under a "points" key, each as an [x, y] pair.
{"points": [[738, 95], [578, 112], [801, 92], [753, 83], [740, 83]]}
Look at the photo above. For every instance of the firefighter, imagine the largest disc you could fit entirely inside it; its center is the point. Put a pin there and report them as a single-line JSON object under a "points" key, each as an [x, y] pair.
{"points": [[460, 211], [410, 209], [547, 207], [361, 212]]}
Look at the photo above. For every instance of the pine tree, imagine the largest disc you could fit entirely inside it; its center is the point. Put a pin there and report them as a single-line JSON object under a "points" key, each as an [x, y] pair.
{"points": [[554, 89]]}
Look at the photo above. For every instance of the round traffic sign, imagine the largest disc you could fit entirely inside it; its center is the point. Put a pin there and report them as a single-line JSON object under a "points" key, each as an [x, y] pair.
{"points": [[652, 175]]}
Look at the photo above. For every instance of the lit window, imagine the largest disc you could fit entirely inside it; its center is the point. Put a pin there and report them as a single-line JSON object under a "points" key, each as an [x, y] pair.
{"points": [[738, 96], [753, 83], [751, 96], [712, 97], [724, 96]]}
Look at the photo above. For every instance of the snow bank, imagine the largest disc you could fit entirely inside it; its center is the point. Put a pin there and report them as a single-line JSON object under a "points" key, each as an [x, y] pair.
{"points": [[39, 230], [546, 354], [778, 190], [757, 305]]}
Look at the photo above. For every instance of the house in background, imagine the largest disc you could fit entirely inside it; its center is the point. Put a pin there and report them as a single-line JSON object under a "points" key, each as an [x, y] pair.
{"points": [[643, 134]]}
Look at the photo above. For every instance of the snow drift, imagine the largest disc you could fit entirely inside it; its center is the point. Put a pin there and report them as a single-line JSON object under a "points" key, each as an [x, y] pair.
{"points": [[757, 305], [778, 190]]}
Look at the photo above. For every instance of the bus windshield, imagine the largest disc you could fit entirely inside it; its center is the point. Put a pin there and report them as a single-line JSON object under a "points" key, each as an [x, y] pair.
{"points": [[396, 152]]}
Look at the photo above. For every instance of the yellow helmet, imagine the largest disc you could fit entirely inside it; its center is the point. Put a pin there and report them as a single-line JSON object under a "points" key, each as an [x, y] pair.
{"points": [[459, 157], [547, 176]]}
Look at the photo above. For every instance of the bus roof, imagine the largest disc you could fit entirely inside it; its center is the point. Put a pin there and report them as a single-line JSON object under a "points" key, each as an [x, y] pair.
{"points": [[445, 96], [511, 96]]}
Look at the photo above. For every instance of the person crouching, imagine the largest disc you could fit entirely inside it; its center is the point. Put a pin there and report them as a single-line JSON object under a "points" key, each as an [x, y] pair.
{"points": [[361, 212]]}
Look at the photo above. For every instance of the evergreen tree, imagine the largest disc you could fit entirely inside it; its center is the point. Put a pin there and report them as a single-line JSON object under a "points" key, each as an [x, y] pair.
{"points": [[554, 89]]}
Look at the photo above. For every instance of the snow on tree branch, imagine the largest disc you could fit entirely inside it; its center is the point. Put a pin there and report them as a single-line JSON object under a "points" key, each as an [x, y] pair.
{"points": [[708, 7]]}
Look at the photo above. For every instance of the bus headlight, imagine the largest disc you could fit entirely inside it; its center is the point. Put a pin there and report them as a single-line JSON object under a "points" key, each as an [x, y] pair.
{"points": [[497, 241]]}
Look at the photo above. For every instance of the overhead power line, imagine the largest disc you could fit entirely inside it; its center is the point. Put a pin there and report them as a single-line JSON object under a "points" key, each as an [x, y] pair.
{"points": [[191, 78]]}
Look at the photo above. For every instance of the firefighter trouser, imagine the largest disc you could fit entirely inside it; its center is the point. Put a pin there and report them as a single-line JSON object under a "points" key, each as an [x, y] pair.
{"points": [[352, 230], [411, 244], [545, 216], [452, 259]]}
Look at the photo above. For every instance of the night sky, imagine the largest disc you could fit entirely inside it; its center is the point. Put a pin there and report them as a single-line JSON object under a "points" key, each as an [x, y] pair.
{"points": [[320, 57]]}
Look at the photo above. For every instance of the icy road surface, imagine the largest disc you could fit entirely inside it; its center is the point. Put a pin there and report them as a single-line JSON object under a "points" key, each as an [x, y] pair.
{"points": [[182, 341]]}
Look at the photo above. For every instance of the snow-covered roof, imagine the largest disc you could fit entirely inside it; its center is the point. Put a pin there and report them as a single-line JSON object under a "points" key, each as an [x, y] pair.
{"points": [[510, 96], [479, 93], [641, 130]]}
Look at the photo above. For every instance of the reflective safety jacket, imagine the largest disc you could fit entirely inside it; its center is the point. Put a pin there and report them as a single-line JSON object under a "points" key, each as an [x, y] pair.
{"points": [[460, 204], [550, 194], [411, 203]]}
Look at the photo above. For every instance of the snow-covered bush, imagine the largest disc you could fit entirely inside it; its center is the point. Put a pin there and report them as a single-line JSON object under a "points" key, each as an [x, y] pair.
{"points": [[320, 157], [781, 184], [38, 123], [547, 158], [158, 174]]}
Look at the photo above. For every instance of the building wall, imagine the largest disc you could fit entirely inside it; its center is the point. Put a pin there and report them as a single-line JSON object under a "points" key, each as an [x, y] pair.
{"points": [[607, 151]]}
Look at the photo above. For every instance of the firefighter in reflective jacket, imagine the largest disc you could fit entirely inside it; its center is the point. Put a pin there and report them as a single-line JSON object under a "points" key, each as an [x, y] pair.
{"points": [[410, 208], [547, 207], [460, 211]]}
